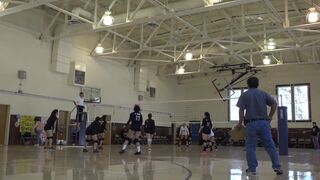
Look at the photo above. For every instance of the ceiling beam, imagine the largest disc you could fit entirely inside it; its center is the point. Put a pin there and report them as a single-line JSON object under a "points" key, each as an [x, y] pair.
{"points": [[228, 17], [281, 21], [23, 7], [127, 58], [179, 14]]}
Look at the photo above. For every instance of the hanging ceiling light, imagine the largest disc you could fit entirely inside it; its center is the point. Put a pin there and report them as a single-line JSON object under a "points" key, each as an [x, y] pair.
{"points": [[266, 60], [188, 55], [99, 49], [3, 5], [180, 70], [313, 15], [107, 18], [212, 2], [271, 44]]}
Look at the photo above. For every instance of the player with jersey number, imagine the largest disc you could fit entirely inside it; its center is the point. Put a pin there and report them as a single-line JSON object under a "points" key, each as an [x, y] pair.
{"points": [[134, 133]]}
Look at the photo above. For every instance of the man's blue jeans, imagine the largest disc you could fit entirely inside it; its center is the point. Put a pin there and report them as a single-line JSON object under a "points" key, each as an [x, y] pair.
{"points": [[261, 129]]}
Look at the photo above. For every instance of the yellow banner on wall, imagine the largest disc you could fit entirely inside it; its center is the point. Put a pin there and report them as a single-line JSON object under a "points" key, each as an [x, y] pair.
{"points": [[26, 124]]}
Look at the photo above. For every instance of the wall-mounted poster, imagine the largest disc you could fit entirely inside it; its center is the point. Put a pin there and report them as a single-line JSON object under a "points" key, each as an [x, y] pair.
{"points": [[26, 124]]}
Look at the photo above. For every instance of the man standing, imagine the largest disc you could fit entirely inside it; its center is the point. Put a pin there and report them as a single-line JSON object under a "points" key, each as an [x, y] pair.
{"points": [[79, 102], [254, 102], [315, 135]]}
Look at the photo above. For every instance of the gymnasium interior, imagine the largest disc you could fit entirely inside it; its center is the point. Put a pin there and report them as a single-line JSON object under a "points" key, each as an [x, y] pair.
{"points": [[176, 59]]}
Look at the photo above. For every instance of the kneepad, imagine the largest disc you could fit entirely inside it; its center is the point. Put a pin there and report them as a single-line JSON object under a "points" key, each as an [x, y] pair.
{"points": [[136, 141], [96, 141]]}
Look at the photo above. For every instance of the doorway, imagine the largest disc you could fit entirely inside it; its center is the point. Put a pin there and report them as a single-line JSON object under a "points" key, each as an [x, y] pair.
{"points": [[4, 128]]}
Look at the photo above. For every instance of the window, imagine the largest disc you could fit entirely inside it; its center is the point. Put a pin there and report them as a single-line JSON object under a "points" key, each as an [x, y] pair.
{"points": [[296, 98], [234, 95]]}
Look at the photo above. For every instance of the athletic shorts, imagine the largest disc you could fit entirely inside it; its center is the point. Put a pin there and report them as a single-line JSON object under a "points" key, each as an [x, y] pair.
{"points": [[101, 131], [133, 128], [149, 131], [91, 132], [206, 130]]}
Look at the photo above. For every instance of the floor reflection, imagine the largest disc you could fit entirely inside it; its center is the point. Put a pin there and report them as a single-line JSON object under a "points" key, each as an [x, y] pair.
{"points": [[165, 163]]}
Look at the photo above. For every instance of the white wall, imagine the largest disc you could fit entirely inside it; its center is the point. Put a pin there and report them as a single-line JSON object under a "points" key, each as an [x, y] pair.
{"points": [[22, 51], [202, 88]]}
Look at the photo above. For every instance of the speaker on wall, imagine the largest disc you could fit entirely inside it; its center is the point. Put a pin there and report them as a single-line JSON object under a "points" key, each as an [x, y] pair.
{"points": [[22, 74]]}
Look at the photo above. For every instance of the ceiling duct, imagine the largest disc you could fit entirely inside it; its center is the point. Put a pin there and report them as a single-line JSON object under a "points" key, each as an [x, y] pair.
{"points": [[80, 12]]}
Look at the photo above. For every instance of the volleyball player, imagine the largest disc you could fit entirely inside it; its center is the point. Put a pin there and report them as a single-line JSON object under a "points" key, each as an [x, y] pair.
{"points": [[213, 140], [184, 134], [149, 129], [50, 128], [92, 132], [135, 121], [102, 129], [206, 127]]}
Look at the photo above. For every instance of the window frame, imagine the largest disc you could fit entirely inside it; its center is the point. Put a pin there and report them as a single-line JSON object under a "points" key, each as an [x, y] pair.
{"points": [[293, 101], [229, 109]]}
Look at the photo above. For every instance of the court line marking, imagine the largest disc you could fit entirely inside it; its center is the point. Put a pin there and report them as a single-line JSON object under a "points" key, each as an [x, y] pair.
{"points": [[184, 167]]}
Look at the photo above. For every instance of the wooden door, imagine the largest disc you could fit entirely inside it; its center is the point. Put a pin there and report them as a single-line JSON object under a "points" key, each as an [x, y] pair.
{"points": [[4, 115]]}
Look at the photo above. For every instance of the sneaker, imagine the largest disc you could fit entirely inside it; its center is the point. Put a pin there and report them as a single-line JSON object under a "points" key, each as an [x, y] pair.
{"points": [[251, 172], [278, 171], [85, 150], [122, 151], [95, 151], [137, 153]]}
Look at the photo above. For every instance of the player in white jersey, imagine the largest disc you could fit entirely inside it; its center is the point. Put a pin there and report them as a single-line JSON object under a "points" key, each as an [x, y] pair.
{"points": [[184, 134]]}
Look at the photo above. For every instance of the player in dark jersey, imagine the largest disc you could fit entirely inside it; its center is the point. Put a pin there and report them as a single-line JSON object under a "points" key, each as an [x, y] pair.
{"points": [[50, 128], [135, 121], [149, 129], [92, 132], [102, 129], [206, 127]]}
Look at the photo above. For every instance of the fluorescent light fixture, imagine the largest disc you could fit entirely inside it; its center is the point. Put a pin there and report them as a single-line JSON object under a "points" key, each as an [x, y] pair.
{"points": [[266, 60], [99, 49], [313, 15], [271, 44], [180, 70], [107, 18], [188, 55], [3, 5]]}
